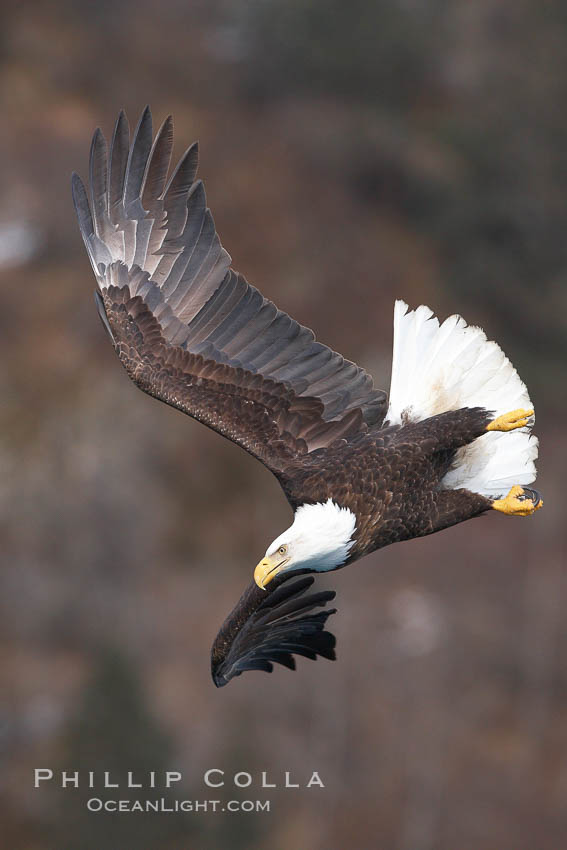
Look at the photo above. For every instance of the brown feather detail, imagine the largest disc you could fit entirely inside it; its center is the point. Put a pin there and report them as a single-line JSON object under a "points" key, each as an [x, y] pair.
{"points": [[263, 416], [391, 479], [158, 239]]}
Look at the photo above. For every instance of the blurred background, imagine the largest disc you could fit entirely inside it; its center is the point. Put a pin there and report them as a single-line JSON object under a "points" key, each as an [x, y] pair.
{"points": [[353, 153]]}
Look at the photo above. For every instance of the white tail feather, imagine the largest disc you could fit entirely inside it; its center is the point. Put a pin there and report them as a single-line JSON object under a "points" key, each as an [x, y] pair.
{"points": [[444, 367]]}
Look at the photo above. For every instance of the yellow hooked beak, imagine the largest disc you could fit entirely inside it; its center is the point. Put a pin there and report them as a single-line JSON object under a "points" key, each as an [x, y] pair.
{"points": [[267, 569]]}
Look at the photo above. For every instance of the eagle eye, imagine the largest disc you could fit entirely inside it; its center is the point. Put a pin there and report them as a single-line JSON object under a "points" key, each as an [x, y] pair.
{"points": [[282, 550]]}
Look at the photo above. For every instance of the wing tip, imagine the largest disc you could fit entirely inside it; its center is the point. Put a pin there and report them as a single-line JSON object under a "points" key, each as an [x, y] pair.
{"points": [[145, 117], [82, 206], [304, 633]]}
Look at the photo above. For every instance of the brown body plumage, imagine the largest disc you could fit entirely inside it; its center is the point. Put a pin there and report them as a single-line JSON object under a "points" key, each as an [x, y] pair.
{"points": [[393, 472]]}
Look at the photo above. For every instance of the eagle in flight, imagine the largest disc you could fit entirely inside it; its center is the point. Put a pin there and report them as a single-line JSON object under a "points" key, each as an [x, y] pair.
{"points": [[360, 469]]}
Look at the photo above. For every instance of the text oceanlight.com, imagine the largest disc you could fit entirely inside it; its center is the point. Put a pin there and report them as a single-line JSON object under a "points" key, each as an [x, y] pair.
{"points": [[95, 804]]}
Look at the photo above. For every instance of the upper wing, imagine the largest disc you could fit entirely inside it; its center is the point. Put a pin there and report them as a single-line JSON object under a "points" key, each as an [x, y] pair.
{"points": [[189, 329], [270, 627]]}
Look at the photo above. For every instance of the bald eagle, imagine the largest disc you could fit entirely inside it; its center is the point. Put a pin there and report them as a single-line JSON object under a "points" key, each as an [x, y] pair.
{"points": [[360, 470]]}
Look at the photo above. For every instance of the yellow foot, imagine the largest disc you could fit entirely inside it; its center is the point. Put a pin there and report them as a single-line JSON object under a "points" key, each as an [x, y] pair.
{"points": [[510, 421], [520, 501]]}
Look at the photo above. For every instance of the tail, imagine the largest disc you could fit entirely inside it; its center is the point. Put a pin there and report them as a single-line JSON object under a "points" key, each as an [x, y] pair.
{"points": [[445, 367]]}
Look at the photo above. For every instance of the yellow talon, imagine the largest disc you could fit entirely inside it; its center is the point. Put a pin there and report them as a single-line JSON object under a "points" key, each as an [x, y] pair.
{"points": [[515, 506], [510, 421]]}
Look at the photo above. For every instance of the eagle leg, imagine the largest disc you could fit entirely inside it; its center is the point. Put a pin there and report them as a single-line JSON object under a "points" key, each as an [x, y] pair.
{"points": [[510, 421], [520, 501], [455, 506], [447, 431]]}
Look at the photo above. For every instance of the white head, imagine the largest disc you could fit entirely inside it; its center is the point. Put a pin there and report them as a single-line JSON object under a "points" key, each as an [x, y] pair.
{"points": [[319, 539]]}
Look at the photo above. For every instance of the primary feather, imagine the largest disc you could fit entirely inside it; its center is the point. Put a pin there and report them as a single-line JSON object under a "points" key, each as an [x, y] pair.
{"points": [[159, 240]]}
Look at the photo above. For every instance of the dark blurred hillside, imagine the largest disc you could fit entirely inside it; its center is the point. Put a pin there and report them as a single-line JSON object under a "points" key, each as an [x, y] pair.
{"points": [[352, 153]]}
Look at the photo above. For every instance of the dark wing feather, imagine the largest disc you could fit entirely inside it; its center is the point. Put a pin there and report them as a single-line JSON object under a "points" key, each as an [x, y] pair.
{"points": [[156, 255], [268, 627]]}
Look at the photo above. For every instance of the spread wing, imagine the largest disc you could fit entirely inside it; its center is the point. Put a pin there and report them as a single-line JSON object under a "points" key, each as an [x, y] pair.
{"points": [[267, 628], [189, 329]]}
